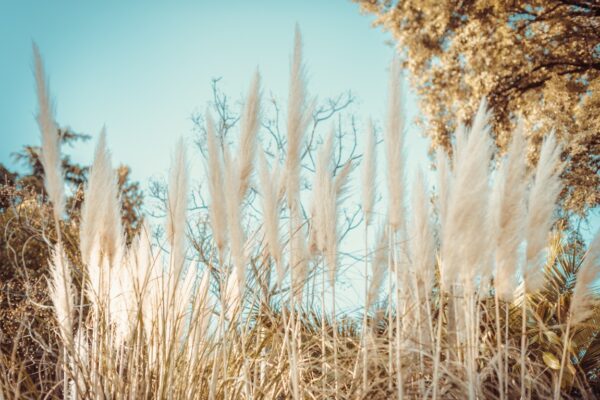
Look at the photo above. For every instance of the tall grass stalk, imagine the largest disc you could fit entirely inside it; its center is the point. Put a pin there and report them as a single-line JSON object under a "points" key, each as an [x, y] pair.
{"points": [[368, 199]]}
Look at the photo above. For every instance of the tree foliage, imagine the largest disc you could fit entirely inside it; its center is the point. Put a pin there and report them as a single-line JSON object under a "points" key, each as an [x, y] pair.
{"points": [[536, 59]]}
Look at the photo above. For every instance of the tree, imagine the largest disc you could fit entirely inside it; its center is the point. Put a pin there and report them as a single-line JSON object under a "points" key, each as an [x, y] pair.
{"points": [[536, 59]]}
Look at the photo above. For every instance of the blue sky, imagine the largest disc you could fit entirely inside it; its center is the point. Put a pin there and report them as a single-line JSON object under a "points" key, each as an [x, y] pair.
{"points": [[143, 67]]}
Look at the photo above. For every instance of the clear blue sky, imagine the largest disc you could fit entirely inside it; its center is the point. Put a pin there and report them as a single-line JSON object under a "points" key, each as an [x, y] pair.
{"points": [[143, 67]]}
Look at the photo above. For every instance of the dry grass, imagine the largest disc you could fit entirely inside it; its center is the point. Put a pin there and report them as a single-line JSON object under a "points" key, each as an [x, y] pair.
{"points": [[143, 321]]}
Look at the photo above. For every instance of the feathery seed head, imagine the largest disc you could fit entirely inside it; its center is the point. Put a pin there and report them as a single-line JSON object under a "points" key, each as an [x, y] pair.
{"points": [[50, 156], [177, 207]]}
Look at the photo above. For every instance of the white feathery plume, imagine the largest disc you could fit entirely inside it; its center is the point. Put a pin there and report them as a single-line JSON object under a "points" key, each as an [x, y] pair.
{"points": [[321, 186], [300, 256], [270, 208], [508, 210], [141, 261], [542, 202], [299, 115], [379, 266], [217, 211], [153, 295], [336, 194], [61, 292], [147, 276], [460, 138], [112, 236], [394, 144], [369, 175], [327, 196], [101, 236], [422, 246], [100, 214], [50, 156], [97, 282], [444, 174], [249, 129], [234, 217], [177, 304], [177, 208], [464, 240], [233, 294], [585, 294], [131, 282], [121, 303]]}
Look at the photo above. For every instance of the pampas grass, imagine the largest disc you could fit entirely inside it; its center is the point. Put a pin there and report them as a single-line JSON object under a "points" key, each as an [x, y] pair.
{"points": [[158, 319], [249, 129], [584, 300], [299, 115], [368, 200], [232, 185], [177, 208], [394, 144], [369, 173], [217, 210], [584, 293], [100, 213], [508, 210], [61, 292], [464, 237], [421, 239], [542, 203], [271, 210], [50, 156]]}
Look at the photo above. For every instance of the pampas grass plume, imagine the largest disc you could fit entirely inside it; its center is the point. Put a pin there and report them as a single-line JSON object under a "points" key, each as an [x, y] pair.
{"points": [[270, 209], [249, 129], [177, 207], [394, 143], [100, 214], [422, 245], [299, 115], [542, 202], [444, 175], [464, 238], [234, 217], [378, 267], [217, 209], [585, 293], [369, 175], [508, 210], [50, 157], [61, 291]]}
